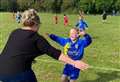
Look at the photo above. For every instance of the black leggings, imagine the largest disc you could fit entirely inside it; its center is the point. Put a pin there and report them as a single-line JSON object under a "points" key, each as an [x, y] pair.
{"points": [[27, 76]]}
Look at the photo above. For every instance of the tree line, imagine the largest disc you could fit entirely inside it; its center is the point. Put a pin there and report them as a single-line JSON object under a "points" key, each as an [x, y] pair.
{"points": [[61, 6]]}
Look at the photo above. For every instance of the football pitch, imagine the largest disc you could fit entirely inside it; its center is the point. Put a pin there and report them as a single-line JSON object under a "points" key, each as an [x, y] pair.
{"points": [[103, 55]]}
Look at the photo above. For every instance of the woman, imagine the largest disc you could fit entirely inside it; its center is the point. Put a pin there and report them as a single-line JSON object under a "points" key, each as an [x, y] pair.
{"points": [[25, 44]]}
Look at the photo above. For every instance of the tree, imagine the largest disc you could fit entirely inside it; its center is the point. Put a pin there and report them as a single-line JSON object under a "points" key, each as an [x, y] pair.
{"points": [[117, 5], [13, 6], [25, 4], [67, 6], [4, 5], [56, 6]]}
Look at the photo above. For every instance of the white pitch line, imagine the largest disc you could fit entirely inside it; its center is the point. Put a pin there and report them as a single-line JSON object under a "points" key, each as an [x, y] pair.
{"points": [[91, 67], [104, 68]]}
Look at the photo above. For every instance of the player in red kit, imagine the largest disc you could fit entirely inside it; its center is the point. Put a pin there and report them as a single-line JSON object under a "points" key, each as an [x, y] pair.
{"points": [[65, 20], [56, 19]]}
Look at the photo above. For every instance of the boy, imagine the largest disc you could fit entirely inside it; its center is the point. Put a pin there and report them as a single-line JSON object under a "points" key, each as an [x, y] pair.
{"points": [[81, 13], [18, 17], [104, 17], [81, 24], [56, 19], [74, 47], [65, 20]]}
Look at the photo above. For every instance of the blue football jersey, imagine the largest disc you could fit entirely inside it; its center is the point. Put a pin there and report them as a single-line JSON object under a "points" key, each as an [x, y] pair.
{"points": [[74, 50]]}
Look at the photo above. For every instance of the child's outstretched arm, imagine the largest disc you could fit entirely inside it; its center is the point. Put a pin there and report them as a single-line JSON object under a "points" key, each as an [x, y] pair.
{"points": [[59, 40], [87, 40]]}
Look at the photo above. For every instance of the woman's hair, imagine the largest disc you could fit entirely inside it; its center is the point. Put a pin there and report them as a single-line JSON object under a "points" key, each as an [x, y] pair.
{"points": [[30, 18]]}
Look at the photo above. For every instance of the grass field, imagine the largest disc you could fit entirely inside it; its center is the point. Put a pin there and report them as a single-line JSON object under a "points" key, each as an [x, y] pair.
{"points": [[103, 54]]}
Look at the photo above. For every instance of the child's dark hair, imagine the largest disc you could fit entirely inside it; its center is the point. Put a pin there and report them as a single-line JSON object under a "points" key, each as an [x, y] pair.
{"points": [[76, 29]]}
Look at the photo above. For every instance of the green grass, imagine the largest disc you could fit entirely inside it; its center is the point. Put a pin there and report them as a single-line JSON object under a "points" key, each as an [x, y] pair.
{"points": [[103, 52]]}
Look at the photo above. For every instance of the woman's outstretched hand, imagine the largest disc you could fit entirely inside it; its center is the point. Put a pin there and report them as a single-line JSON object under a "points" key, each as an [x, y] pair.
{"points": [[78, 63], [81, 65]]}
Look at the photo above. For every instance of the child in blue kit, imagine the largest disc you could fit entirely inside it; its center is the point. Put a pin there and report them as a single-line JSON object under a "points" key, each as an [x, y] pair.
{"points": [[18, 17], [81, 24], [74, 47]]}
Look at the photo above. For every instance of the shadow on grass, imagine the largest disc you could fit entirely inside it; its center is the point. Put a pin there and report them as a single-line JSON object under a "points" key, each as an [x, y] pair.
{"points": [[107, 23], [95, 37], [105, 77]]}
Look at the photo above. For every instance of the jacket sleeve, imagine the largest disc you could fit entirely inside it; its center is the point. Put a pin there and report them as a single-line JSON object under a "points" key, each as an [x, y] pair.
{"points": [[57, 39], [87, 40], [45, 48]]}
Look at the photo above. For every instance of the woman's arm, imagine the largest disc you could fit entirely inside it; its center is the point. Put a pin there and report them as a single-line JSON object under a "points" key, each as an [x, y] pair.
{"points": [[78, 63]]}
